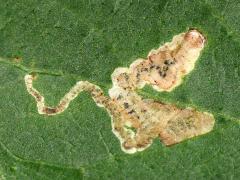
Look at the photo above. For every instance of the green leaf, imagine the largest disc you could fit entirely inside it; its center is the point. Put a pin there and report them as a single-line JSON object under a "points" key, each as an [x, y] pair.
{"points": [[64, 41]]}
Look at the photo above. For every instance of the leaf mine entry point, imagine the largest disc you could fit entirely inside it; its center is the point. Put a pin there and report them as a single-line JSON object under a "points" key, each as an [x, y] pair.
{"points": [[137, 121]]}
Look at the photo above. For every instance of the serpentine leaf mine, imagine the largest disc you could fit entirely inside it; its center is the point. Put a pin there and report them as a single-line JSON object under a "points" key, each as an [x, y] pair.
{"points": [[137, 121]]}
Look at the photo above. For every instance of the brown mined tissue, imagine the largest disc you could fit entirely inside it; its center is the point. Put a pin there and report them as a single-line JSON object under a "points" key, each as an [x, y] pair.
{"points": [[137, 121]]}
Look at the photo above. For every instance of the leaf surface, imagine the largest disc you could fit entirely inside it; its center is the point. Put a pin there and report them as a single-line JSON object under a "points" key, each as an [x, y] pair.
{"points": [[64, 41]]}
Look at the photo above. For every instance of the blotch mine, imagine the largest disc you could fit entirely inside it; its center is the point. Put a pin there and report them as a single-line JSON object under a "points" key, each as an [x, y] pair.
{"points": [[137, 121]]}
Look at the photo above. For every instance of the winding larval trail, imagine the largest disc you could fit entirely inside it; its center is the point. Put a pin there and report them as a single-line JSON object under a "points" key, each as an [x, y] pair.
{"points": [[137, 121]]}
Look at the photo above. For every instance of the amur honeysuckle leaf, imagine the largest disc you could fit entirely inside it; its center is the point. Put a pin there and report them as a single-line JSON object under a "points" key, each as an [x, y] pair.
{"points": [[62, 42]]}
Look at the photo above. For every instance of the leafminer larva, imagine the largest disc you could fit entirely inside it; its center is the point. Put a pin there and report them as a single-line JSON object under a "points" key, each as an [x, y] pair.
{"points": [[137, 121]]}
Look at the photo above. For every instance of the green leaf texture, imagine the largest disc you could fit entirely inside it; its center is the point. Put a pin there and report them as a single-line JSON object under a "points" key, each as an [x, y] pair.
{"points": [[64, 41]]}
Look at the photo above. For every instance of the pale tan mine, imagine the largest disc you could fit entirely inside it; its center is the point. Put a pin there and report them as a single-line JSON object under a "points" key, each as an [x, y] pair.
{"points": [[136, 121]]}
